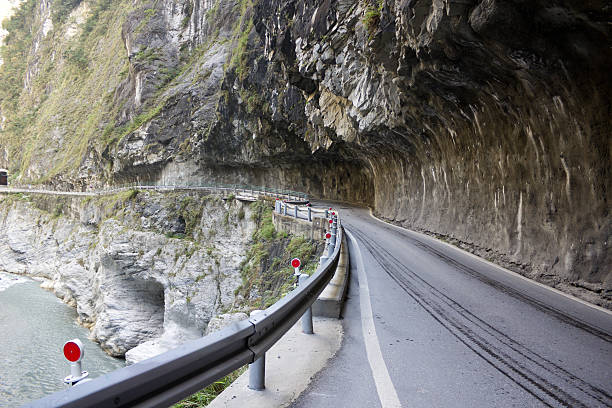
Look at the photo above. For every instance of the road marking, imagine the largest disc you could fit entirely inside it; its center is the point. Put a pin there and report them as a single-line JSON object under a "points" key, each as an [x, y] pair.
{"points": [[384, 386], [500, 268]]}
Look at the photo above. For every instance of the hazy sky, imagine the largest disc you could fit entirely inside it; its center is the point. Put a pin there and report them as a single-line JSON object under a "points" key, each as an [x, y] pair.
{"points": [[6, 6]]}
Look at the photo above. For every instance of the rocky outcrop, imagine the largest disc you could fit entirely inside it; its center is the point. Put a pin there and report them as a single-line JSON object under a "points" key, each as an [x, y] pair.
{"points": [[156, 272], [491, 135], [485, 122], [174, 334]]}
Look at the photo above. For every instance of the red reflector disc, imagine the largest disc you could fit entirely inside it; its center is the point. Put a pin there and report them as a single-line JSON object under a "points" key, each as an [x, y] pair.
{"points": [[330, 221], [295, 263], [328, 235], [72, 351]]}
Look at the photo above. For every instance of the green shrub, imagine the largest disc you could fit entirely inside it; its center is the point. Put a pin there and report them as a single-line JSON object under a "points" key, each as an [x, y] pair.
{"points": [[62, 9], [58, 210], [77, 57], [371, 19], [267, 232]]}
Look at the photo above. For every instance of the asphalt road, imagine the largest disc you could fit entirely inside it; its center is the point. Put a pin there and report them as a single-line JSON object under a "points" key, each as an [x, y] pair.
{"points": [[452, 330]]}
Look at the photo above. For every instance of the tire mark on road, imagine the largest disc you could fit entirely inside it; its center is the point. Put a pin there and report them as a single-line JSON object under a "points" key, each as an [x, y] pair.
{"points": [[509, 291], [544, 380]]}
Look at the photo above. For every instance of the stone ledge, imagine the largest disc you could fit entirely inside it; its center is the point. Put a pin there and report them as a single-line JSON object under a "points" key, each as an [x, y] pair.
{"points": [[313, 230]]}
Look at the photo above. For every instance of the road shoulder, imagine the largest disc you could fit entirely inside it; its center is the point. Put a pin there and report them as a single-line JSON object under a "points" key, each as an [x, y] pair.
{"points": [[290, 365]]}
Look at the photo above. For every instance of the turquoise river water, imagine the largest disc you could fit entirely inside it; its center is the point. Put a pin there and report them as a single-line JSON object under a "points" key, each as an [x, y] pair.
{"points": [[34, 325]]}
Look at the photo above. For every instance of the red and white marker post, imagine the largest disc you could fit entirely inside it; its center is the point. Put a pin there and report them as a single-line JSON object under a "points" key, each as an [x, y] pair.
{"points": [[296, 263], [301, 280], [74, 352]]}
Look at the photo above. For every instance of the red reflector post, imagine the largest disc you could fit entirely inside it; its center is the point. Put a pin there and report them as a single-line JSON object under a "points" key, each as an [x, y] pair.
{"points": [[73, 350]]}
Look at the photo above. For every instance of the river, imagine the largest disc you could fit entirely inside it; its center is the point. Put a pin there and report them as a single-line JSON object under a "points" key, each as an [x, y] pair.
{"points": [[34, 325]]}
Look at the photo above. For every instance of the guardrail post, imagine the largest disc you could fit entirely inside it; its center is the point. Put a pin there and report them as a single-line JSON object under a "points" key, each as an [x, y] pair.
{"points": [[257, 370], [325, 257], [307, 317], [326, 214], [326, 253], [295, 210], [284, 208], [332, 244], [309, 214], [332, 240]]}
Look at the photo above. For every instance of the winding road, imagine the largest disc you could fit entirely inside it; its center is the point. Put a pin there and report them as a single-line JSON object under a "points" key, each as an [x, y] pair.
{"points": [[429, 325]]}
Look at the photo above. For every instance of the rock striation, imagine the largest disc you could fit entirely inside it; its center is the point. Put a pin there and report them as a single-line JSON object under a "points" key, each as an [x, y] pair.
{"points": [[143, 280], [484, 122]]}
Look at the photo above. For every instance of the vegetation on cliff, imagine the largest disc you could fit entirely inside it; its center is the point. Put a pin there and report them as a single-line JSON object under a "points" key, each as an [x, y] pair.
{"points": [[266, 272], [80, 76], [63, 67], [204, 397], [495, 113]]}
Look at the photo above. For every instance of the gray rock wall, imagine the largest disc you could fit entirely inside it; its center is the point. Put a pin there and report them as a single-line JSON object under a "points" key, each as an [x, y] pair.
{"points": [[117, 261], [485, 122]]}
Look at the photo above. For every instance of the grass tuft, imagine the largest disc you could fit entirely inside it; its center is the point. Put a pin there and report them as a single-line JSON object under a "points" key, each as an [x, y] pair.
{"points": [[204, 397]]}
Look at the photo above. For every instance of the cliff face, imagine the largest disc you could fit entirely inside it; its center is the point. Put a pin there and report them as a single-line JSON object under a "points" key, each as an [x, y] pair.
{"points": [[160, 268], [147, 271], [485, 122]]}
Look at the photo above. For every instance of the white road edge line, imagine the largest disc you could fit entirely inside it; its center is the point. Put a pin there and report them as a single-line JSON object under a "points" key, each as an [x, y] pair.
{"points": [[384, 386], [518, 275]]}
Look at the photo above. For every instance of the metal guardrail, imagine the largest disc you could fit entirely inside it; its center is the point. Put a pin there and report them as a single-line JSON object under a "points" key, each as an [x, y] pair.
{"points": [[300, 212], [165, 379], [226, 188]]}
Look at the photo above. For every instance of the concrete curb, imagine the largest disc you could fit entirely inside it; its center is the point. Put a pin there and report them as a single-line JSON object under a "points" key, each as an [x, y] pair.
{"points": [[329, 303]]}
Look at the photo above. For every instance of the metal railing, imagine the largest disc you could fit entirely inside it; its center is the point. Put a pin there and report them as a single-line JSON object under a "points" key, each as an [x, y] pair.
{"points": [[304, 212], [212, 187], [167, 378]]}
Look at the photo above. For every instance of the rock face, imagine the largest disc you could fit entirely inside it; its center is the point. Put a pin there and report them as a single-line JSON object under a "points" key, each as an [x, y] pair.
{"points": [[486, 122], [131, 280]]}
